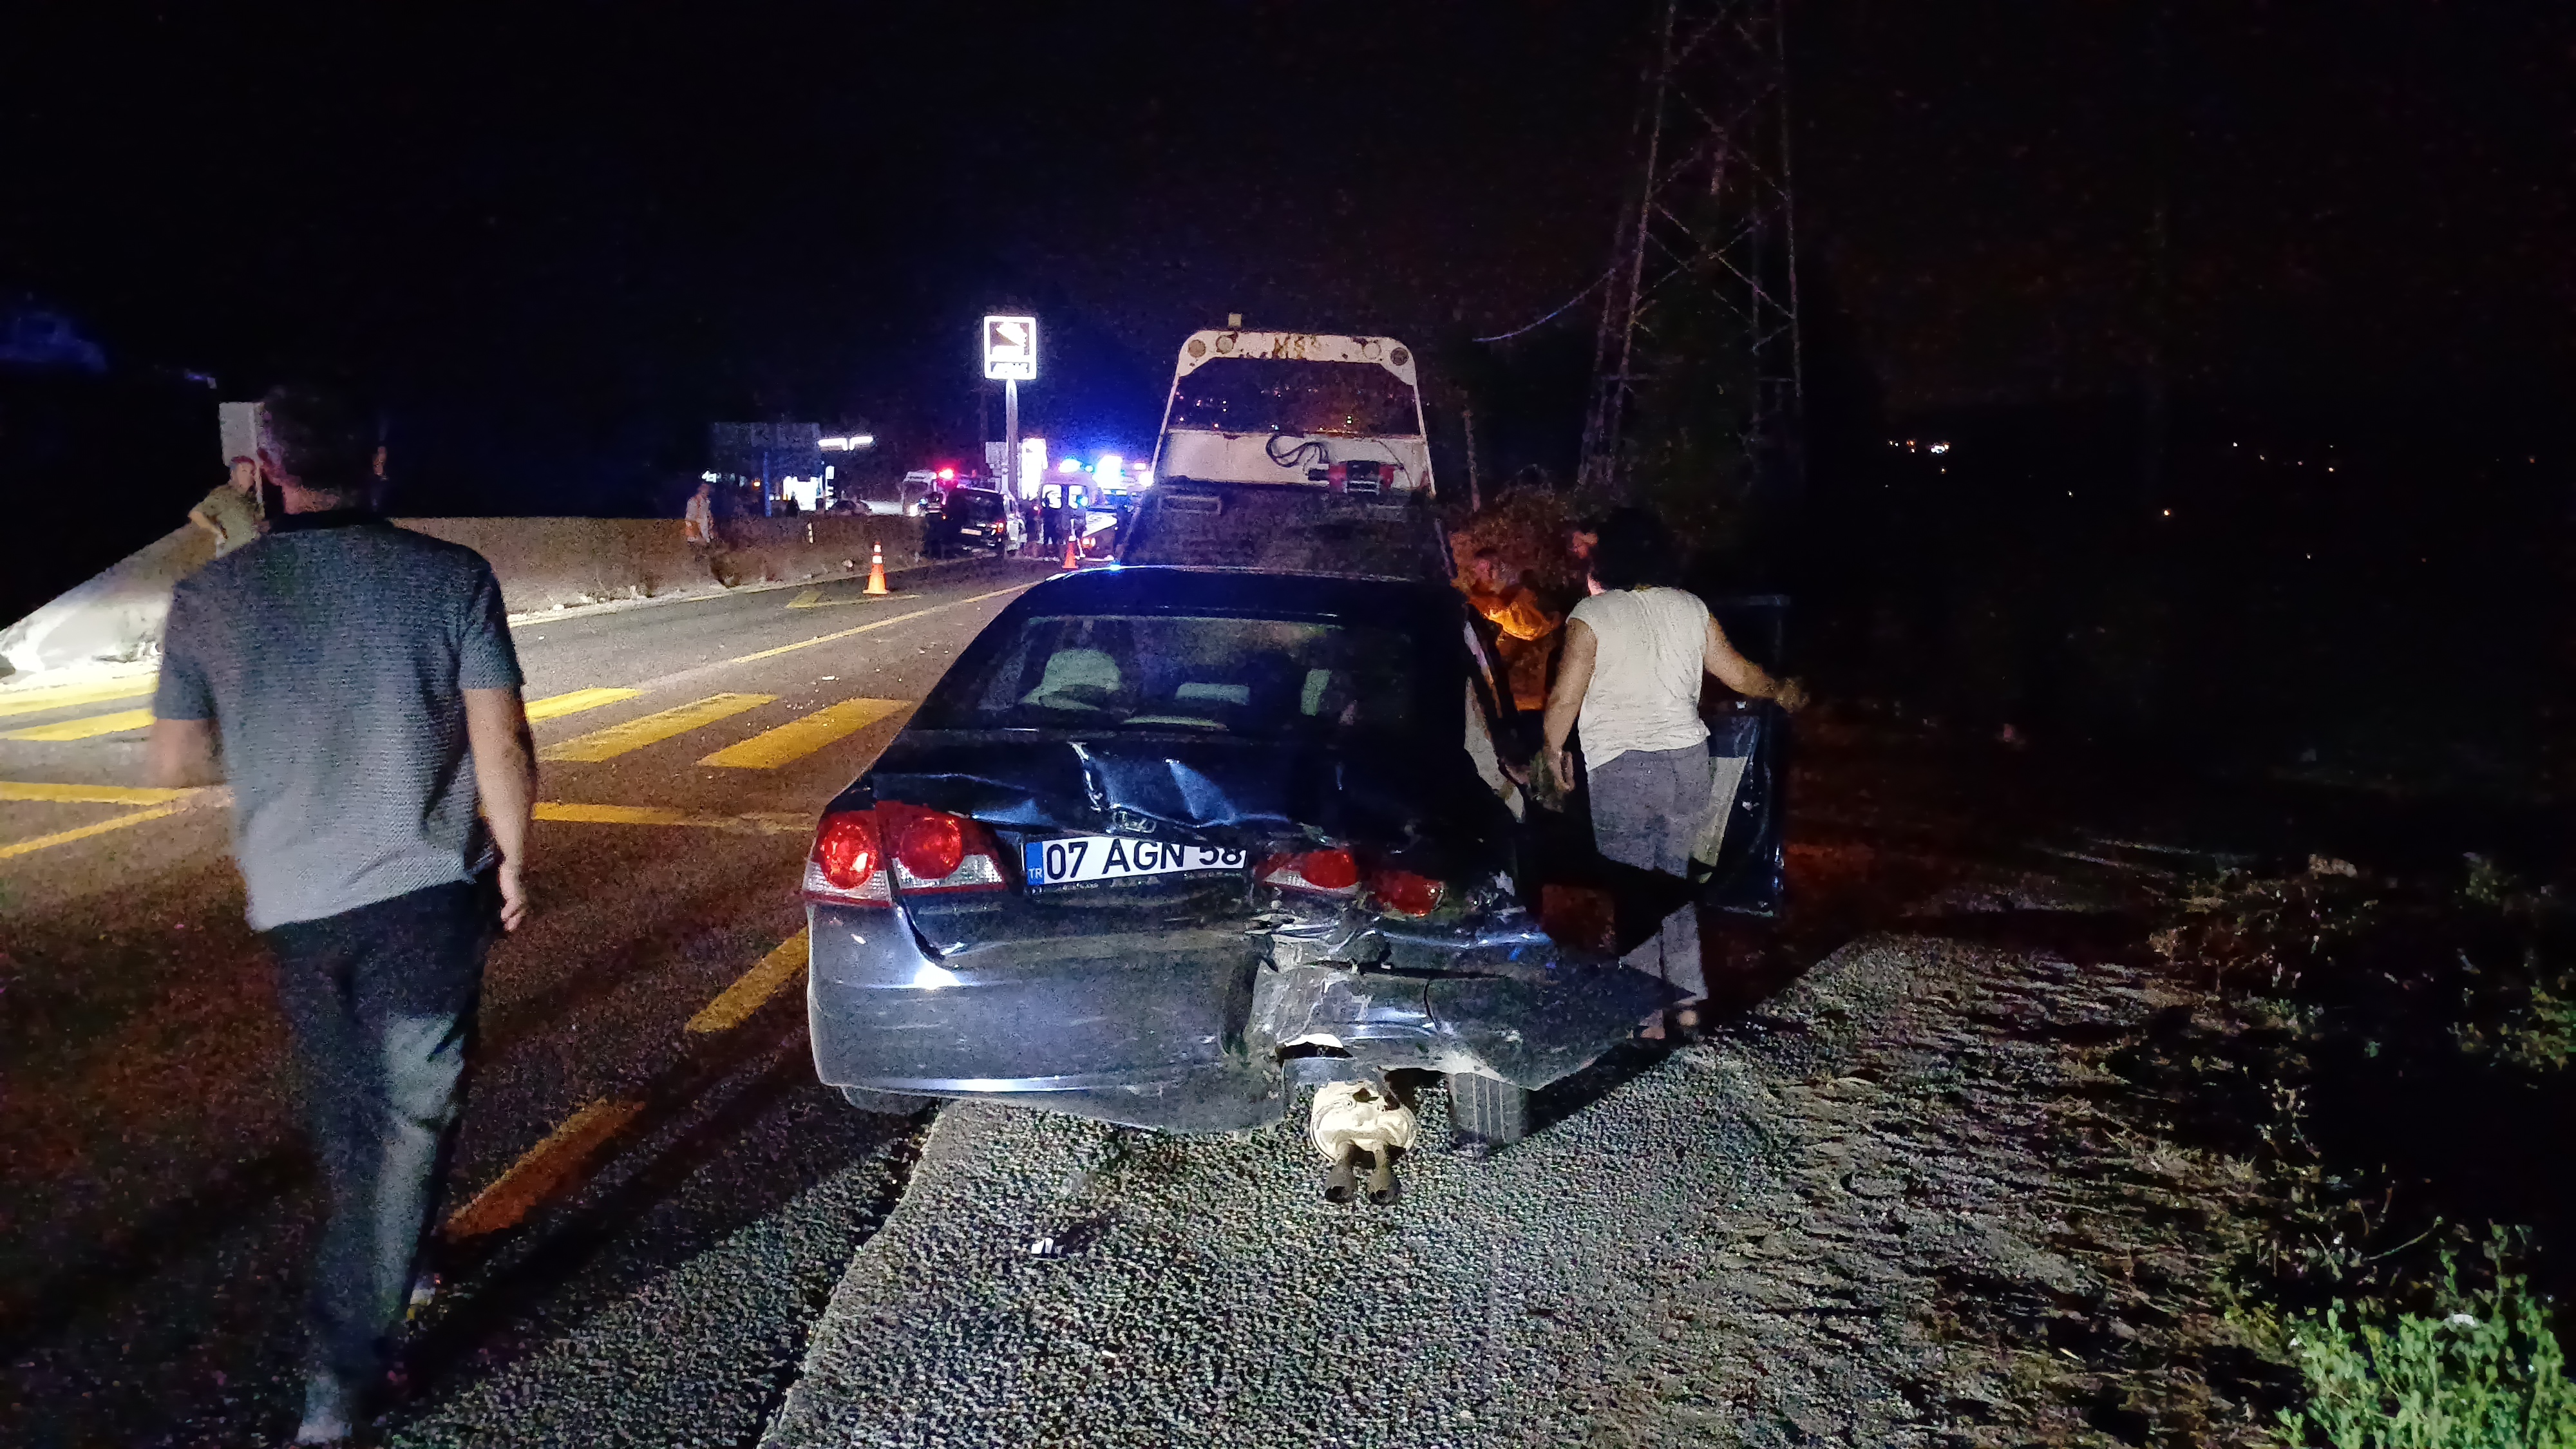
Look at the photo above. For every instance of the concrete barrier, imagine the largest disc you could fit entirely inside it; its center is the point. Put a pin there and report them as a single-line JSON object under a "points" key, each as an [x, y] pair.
{"points": [[113, 617], [542, 563], [553, 563]]}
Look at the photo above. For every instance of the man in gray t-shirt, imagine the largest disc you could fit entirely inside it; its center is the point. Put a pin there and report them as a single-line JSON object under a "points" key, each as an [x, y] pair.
{"points": [[356, 684]]}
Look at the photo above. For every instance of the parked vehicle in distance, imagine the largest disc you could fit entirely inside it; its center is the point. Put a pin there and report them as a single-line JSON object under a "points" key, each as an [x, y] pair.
{"points": [[1165, 842], [967, 520]]}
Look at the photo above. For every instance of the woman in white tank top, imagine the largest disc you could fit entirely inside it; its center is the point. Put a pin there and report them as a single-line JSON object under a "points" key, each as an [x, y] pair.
{"points": [[1634, 655]]}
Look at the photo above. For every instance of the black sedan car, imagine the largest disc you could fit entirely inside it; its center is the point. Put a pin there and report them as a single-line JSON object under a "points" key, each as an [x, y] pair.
{"points": [[968, 520], [1166, 842]]}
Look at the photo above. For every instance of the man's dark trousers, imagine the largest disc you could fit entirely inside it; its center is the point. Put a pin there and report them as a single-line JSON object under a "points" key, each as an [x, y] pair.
{"points": [[381, 1001]]}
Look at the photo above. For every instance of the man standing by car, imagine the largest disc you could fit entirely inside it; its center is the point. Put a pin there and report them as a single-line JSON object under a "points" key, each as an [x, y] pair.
{"points": [[1634, 654], [359, 685]]}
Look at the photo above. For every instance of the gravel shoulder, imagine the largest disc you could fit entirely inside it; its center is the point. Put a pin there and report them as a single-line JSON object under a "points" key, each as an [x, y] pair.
{"points": [[1842, 1220]]}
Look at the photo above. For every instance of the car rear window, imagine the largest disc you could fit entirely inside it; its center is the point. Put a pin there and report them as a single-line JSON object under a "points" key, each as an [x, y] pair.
{"points": [[1237, 676], [967, 507], [1306, 399]]}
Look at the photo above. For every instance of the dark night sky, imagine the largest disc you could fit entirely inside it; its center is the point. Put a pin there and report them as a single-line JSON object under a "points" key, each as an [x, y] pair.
{"points": [[578, 237]]}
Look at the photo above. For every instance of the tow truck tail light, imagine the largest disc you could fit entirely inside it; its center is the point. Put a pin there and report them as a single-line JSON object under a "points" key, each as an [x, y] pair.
{"points": [[1316, 872], [847, 864], [1404, 892], [937, 853]]}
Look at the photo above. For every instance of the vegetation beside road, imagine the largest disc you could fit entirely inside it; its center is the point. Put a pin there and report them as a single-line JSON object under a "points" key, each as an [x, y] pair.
{"points": [[2394, 1055]]}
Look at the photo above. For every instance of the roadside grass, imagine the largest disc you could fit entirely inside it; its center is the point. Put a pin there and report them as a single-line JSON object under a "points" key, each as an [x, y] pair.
{"points": [[2398, 1051], [2480, 1370]]}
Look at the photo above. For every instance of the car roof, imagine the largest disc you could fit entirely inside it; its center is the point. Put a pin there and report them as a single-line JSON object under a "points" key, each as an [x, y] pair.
{"points": [[1287, 529], [1170, 587]]}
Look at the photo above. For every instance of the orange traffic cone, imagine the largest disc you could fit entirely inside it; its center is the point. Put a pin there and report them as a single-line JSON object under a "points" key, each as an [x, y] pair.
{"points": [[1070, 562], [876, 570]]}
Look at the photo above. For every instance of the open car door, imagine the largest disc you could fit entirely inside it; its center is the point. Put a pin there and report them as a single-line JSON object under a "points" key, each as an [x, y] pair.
{"points": [[1748, 741]]}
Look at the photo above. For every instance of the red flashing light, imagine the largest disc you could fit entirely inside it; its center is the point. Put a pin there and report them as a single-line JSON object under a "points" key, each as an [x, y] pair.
{"points": [[947, 475]]}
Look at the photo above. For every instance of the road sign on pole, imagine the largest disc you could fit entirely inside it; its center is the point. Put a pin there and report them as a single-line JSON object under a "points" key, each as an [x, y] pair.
{"points": [[1011, 444], [1011, 349], [1011, 358]]}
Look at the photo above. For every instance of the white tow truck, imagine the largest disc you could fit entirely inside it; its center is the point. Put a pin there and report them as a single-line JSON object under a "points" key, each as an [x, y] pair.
{"points": [[1296, 407], [1292, 452]]}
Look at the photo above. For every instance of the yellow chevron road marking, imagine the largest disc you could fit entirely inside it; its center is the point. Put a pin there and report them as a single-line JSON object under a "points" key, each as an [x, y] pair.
{"points": [[752, 823], [798, 738], [88, 794], [63, 696], [556, 706], [545, 1170], [737, 1002], [86, 727], [66, 837], [635, 734]]}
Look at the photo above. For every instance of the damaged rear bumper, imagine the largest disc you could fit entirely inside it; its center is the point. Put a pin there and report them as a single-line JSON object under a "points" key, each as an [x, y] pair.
{"points": [[1185, 1029]]}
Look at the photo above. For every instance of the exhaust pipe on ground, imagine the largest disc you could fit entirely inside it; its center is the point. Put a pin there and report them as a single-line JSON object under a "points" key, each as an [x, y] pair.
{"points": [[1351, 1120], [1340, 1183], [1382, 1186]]}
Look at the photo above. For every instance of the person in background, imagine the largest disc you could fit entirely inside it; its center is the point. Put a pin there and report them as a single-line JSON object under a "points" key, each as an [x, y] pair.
{"points": [[231, 512], [1054, 517], [356, 685], [1582, 536], [1523, 622], [698, 516], [1630, 679], [698, 525]]}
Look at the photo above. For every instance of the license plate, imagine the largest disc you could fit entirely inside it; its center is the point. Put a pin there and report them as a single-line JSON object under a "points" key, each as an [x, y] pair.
{"points": [[1081, 859]]}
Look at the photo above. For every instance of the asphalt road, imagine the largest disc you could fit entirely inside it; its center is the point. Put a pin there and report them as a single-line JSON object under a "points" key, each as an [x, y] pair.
{"points": [[651, 1199]]}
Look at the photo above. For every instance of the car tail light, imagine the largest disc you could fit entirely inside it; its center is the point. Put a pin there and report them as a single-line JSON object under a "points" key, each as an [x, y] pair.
{"points": [[1319, 872], [1404, 892], [936, 852], [847, 865], [932, 847]]}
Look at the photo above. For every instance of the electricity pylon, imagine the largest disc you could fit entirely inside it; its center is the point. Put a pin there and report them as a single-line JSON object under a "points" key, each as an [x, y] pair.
{"points": [[1696, 375]]}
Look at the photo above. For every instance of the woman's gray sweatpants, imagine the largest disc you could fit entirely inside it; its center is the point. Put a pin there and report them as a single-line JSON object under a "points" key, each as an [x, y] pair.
{"points": [[1648, 810]]}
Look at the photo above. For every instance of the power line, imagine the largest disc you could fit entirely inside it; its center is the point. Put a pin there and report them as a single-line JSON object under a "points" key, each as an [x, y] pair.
{"points": [[1559, 312]]}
